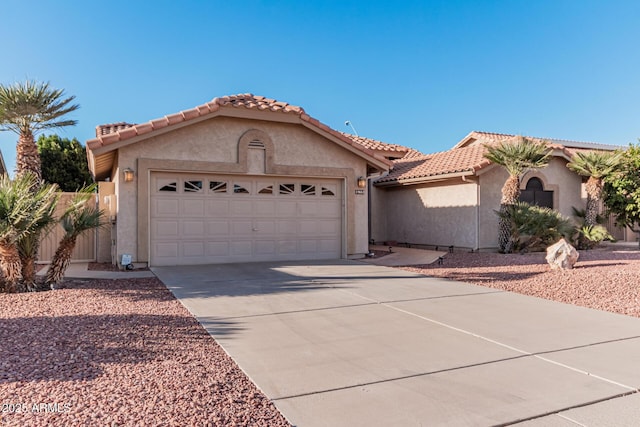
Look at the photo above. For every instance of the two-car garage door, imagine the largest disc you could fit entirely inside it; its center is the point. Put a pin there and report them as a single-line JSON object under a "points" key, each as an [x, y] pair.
{"points": [[198, 219]]}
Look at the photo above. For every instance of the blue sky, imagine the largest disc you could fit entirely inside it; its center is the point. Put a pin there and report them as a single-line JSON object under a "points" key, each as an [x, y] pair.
{"points": [[417, 73]]}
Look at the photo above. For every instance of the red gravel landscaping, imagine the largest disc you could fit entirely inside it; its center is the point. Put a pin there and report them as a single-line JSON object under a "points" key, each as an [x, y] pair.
{"points": [[118, 352], [604, 279], [126, 352]]}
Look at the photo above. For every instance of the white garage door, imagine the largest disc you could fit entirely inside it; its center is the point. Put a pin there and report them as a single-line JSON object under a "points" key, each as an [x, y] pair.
{"points": [[199, 219]]}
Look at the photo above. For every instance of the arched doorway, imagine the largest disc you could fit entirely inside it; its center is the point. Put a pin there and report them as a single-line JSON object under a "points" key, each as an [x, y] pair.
{"points": [[535, 194]]}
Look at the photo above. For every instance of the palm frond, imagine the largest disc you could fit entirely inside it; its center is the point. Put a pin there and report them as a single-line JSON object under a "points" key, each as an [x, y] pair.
{"points": [[597, 164], [519, 154], [33, 106]]}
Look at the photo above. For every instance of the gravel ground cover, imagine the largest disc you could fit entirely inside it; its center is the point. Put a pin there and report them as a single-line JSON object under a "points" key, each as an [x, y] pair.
{"points": [[604, 278], [116, 353]]}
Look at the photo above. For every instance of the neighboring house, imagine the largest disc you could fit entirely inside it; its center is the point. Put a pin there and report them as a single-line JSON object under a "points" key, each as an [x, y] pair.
{"points": [[450, 198], [241, 178]]}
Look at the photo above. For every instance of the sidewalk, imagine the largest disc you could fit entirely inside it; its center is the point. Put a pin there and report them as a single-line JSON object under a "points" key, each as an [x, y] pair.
{"points": [[403, 256], [80, 270]]}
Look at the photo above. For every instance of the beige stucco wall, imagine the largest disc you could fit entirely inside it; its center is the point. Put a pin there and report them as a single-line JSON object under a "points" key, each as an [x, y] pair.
{"points": [[105, 234], [212, 146], [441, 214], [556, 177]]}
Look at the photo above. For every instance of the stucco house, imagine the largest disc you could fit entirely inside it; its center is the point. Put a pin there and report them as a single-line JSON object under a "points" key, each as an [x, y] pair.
{"points": [[240, 178], [247, 178], [449, 198]]}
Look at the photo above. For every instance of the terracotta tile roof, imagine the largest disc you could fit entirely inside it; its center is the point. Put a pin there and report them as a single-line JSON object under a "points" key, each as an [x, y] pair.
{"points": [[116, 132], [468, 156], [491, 137], [376, 145], [459, 160]]}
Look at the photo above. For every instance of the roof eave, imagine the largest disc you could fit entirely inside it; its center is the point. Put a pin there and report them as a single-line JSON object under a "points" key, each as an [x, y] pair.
{"points": [[425, 179]]}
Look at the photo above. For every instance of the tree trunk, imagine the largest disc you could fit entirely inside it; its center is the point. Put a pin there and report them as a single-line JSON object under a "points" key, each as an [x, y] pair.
{"points": [[29, 273], [510, 195], [511, 190], [27, 156], [594, 194], [60, 261], [11, 267]]}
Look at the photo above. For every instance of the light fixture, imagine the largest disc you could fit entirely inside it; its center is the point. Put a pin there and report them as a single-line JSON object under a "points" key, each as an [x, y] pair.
{"points": [[128, 174], [362, 182]]}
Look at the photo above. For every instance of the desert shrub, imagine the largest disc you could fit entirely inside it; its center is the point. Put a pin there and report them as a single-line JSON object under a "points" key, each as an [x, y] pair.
{"points": [[533, 228]]}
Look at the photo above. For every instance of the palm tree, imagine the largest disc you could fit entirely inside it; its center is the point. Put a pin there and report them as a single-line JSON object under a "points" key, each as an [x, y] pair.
{"points": [[27, 108], [77, 218], [21, 210], [517, 155], [596, 165]]}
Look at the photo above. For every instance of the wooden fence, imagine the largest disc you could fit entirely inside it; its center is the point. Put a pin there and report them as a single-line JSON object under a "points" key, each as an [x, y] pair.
{"points": [[85, 249]]}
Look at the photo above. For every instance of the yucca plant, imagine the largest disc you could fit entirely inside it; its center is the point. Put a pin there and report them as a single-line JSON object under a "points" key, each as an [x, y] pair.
{"points": [[78, 217], [21, 211], [516, 155]]}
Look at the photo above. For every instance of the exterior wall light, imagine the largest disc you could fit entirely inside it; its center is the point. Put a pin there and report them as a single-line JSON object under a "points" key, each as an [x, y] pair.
{"points": [[128, 174], [362, 182]]}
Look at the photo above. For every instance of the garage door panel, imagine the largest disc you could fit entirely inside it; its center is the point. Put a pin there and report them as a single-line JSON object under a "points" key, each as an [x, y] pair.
{"points": [[328, 208], [218, 228], [192, 208], [192, 228], [265, 219], [265, 227], [328, 227], [167, 249], [308, 246], [241, 208], [166, 229], [306, 227], [165, 207], [287, 227], [242, 228], [328, 245], [193, 249], [287, 208], [265, 247], [218, 249], [242, 248], [218, 207], [287, 247], [265, 207]]}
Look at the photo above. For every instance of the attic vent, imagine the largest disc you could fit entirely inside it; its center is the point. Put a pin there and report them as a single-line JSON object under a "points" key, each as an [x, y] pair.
{"points": [[256, 144]]}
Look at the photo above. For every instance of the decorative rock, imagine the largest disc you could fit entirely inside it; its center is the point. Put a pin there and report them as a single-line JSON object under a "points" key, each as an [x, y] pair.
{"points": [[561, 255]]}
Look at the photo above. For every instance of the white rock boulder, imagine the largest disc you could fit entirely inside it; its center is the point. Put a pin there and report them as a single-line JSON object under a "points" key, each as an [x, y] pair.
{"points": [[562, 256]]}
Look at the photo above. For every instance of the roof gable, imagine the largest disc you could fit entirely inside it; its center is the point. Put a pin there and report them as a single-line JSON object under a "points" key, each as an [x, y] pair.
{"points": [[110, 137]]}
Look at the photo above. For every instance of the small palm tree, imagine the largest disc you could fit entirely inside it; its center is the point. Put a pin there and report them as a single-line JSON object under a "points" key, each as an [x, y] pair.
{"points": [[29, 107], [79, 217], [596, 165], [516, 155], [21, 210]]}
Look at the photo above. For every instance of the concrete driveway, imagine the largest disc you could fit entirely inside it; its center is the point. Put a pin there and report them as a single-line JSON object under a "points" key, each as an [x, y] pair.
{"points": [[344, 343]]}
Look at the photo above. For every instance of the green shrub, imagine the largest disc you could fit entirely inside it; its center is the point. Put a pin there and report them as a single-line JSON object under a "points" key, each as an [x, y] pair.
{"points": [[534, 228]]}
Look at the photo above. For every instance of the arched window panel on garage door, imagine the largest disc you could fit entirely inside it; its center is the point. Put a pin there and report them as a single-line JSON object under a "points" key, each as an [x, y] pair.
{"points": [[192, 186], [218, 187], [241, 187], [166, 185], [329, 190], [265, 188], [308, 189]]}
